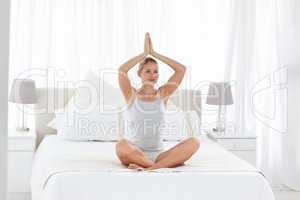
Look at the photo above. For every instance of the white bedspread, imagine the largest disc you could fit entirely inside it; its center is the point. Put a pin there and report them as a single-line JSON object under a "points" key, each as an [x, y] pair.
{"points": [[64, 170]]}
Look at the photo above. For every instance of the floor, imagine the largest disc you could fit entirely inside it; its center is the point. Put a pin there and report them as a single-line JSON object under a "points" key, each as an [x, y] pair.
{"points": [[287, 195]]}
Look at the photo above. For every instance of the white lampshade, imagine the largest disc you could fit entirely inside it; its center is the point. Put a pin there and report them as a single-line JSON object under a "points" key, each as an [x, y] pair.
{"points": [[23, 91], [219, 93]]}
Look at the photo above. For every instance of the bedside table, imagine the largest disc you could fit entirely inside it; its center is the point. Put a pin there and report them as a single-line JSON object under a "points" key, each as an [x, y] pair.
{"points": [[242, 146], [21, 148]]}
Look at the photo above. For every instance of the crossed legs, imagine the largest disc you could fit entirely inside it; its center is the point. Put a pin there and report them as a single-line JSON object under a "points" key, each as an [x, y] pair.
{"points": [[132, 156]]}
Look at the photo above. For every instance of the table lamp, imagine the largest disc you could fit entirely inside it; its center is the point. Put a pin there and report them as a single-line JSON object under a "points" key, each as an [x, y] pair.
{"points": [[23, 92], [219, 93]]}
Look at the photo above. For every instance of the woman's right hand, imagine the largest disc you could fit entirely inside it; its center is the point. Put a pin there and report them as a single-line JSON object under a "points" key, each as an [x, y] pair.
{"points": [[151, 52], [147, 44]]}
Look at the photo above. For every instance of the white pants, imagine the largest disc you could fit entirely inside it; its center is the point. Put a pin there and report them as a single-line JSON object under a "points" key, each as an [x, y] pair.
{"points": [[152, 155]]}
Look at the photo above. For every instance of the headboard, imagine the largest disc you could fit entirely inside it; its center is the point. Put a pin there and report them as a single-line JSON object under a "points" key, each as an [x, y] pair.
{"points": [[51, 99]]}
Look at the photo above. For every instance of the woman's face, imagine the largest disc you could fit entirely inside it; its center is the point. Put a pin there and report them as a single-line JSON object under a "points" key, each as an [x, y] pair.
{"points": [[149, 73]]}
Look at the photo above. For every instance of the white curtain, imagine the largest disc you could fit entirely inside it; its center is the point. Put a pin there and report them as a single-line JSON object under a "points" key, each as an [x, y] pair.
{"points": [[75, 35], [69, 37], [263, 60]]}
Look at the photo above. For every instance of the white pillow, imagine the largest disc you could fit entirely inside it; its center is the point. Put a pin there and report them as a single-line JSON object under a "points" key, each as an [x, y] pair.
{"points": [[92, 113], [91, 126], [193, 123], [94, 125], [181, 124], [174, 126], [107, 96]]}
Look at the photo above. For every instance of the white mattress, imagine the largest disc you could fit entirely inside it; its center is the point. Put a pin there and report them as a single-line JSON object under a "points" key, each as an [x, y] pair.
{"points": [[64, 170]]}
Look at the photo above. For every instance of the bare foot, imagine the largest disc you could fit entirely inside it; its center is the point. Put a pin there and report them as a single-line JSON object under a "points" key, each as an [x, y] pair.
{"points": [[158, 167], [135, 166], [151, 168]]}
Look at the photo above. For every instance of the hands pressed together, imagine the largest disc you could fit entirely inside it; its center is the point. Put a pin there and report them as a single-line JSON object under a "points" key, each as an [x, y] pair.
{"points": [[148, 47]]}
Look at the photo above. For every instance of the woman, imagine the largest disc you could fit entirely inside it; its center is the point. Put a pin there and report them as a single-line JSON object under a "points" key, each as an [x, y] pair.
{"points": [[145, 108]]}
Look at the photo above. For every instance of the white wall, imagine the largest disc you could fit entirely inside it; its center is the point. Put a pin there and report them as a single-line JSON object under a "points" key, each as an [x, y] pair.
{"points": [[4, 42]]}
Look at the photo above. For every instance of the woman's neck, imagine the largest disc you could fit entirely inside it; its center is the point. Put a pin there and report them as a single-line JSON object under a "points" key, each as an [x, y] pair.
{"points": [[147, 89]]}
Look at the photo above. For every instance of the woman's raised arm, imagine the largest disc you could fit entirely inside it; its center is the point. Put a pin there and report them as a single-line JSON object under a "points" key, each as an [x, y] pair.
{"points": [[124, 81], [175, 80]]}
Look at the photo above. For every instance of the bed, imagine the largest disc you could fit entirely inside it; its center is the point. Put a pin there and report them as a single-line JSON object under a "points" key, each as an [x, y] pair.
{"points": [[64, 170]]}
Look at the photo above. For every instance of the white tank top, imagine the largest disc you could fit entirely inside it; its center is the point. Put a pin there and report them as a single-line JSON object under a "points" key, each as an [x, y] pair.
{"points": [[143, 123]]}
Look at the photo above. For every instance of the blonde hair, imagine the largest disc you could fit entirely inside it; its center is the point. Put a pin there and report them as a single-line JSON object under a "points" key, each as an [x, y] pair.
{"points": [[145, 61]]}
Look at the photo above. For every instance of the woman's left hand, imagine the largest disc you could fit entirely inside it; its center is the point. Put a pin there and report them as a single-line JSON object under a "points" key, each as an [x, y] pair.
{"points": [[150, 46], [147, 44]]}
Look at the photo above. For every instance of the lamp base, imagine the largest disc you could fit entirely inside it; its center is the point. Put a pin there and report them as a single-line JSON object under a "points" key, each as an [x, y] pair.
{"points": [[219, 129], [22, 129]]}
